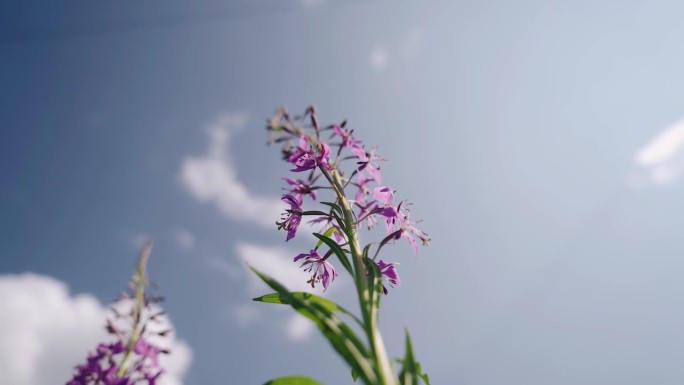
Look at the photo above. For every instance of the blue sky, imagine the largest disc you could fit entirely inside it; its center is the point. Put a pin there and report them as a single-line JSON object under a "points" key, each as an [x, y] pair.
{"points": [[540, 142]]}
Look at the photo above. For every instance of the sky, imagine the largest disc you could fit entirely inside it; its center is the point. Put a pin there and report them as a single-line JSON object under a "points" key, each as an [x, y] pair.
{"points": [[541, 143]]}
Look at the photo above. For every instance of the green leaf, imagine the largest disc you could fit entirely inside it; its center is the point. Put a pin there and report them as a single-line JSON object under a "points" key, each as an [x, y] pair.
{"points": [[374, 288], [336, 212], [343, 339], [293, 380], [355, 376], [336, 208], [324, 302], [327, 233], [411, 370], [337, 250]]}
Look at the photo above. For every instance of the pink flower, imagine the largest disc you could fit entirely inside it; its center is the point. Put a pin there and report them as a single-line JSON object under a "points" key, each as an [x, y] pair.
{"points": [[301, 188], [292, 217], [367, 162], [389, 274], [323, 271], [305, 158]]}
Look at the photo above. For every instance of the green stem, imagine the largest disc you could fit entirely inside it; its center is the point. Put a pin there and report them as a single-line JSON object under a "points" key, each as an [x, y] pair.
{"points": [[385, 374], [139, 281]]}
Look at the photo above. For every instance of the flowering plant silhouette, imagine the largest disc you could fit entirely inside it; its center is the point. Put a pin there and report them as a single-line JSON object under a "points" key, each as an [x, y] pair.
{"points": [[332, 158], [132, 358]]}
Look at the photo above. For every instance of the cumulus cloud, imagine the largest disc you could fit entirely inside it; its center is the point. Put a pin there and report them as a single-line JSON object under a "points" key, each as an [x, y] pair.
{"points": [[224, 267], [245, 315], [661, 160], [213, 178], [45, 332], [276, 262]]}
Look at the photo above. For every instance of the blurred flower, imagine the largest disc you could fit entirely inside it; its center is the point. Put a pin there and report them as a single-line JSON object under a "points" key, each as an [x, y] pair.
{"points": [[323, 271], [292, 217]]}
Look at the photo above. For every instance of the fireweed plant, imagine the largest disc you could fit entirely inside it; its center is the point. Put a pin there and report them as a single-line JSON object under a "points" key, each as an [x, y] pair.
{"points": [[332, 158], [131, 358]]}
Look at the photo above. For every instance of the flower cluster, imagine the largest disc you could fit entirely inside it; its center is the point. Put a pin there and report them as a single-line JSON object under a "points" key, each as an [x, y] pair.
{"points": [[323, 151], [103, 366], [132, 358]]}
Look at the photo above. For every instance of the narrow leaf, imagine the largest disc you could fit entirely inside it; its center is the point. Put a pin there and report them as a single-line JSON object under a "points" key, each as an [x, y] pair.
{"points": [[329, 232], [355, 376], [337, 250], [336, 208], [411, 370], [324, 302], [339, 334], [293, 380]]}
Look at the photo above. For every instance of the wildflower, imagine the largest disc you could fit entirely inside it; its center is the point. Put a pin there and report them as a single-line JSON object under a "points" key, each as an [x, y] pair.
{"points": [[292, 217], [363, 190], [347, 139], [389, 274], [366, 212], [366, 162], [323, 271], [385, 195], [304, 158], [301, 188], [409, 231]]}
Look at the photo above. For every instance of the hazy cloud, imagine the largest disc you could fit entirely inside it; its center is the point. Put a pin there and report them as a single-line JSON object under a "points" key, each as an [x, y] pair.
{"points": [[138, 240], [184, 238], [379, 59], [224, 267], [246, 314], [45, 332], [311, 3], [276, 262], [213, 178], [413, 45], [661, 160]]}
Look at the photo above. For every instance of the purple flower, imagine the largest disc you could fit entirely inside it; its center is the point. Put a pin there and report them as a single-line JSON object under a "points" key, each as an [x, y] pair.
{"points": [[384, 195], [292, 217], [367, 211], [323, 271], [366, 162], [147, 350], [389, 274], [363, 190], [100, 367], [304, 158], [301, 188], [348, 139], [409, 231]]}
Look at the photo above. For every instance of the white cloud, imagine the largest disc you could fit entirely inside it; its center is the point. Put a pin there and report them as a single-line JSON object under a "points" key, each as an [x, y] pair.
{"points": [[661, 160], [212, 178], [224, 267], [379, 59], [245, 314], [276, 262], [185, 238], [299, 327], [45, 332]]}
